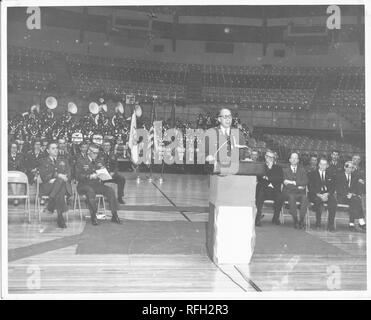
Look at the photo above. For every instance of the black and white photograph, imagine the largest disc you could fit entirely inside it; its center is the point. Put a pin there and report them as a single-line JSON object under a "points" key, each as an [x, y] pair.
{"points": [[183, 150]]}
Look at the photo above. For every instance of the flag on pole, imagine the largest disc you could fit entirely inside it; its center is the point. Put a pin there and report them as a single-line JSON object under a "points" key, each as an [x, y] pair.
{"points": [[172, 116], [341, 130]]}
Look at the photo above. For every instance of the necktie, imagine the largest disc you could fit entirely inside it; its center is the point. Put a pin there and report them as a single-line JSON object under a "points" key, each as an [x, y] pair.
{"points": [[294, 169], [229, 146], [323, 186], [348, 178]]}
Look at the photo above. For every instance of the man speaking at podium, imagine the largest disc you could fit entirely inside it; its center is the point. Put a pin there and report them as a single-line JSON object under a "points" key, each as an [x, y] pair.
{"points": [[231, 222], [226, 141]]}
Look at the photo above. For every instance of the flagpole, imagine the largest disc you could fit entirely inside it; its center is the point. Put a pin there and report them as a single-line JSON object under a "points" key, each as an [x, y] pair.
{"points": [[152, 119]]}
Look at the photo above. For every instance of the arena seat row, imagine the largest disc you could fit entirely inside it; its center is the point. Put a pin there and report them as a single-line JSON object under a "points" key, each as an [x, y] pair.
{"points": [[25, 80], [163, 91], [288, 96], [311, 145]]}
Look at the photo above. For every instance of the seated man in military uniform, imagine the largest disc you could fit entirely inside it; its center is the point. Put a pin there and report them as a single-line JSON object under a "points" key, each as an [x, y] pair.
{"points": [[56, 177], [32, 161], [90, 185], [109, 161]]}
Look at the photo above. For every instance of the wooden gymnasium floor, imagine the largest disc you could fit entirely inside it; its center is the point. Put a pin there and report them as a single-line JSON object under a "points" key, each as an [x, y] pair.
{"points": [[43, 249]]}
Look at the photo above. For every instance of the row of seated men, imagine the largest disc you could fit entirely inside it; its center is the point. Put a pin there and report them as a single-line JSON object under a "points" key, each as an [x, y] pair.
{"points": [[57, 167], [326, 182]]}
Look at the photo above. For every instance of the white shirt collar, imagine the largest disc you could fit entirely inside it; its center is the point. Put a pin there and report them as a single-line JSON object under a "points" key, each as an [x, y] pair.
{"points": [[225, 130]]}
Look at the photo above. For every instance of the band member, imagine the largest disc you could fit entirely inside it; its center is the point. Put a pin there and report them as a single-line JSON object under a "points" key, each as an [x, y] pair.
{"points": [[348, 190], [84, 146], [89, 184], [254, 155], [44, 144], [109, 161], [63, 150], [321, 190], [295, 181], [269, 187], [15, 158], [335, 165], [56, 177], [15, 163], [32, 161], [313, 162]]}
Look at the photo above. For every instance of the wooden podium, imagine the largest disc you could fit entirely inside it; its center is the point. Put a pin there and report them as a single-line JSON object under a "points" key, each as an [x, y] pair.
{"points": [[232, 211]]}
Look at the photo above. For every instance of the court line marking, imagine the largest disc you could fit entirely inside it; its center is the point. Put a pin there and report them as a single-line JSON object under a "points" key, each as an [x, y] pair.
{"points": [[248, 280], [229, 277], [168, 199]]}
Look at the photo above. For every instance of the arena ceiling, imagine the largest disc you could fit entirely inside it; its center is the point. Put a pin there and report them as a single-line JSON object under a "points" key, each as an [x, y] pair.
{"points": [[246, 23]]}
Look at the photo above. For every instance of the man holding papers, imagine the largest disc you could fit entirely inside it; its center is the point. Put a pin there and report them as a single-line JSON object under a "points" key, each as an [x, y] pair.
{"points": [[110, 163], [89, 174]]}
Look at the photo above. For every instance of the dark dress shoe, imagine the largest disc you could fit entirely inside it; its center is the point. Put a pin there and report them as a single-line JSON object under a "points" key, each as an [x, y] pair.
{"points": [[276, 221], [258, 223], [121, 200], [362, 227], [116, 219]]}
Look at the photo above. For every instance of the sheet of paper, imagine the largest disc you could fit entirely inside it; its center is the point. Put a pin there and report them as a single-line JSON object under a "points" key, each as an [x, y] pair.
{"points": [[103, 174]]}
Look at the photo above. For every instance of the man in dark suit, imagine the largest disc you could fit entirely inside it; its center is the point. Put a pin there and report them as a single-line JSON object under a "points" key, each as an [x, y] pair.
{"points": [[89, 184], [269, 187], [56, 182], [109, 161], [63, 150], [32, 161], [295, 181], [335, 165], [348, 190], [321, 190]]}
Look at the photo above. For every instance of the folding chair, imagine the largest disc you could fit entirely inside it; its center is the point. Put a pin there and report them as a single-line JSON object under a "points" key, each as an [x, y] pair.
{"points": [[77, 201], [282, 214], [21, 178], [38, 197], [326, 209]]}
